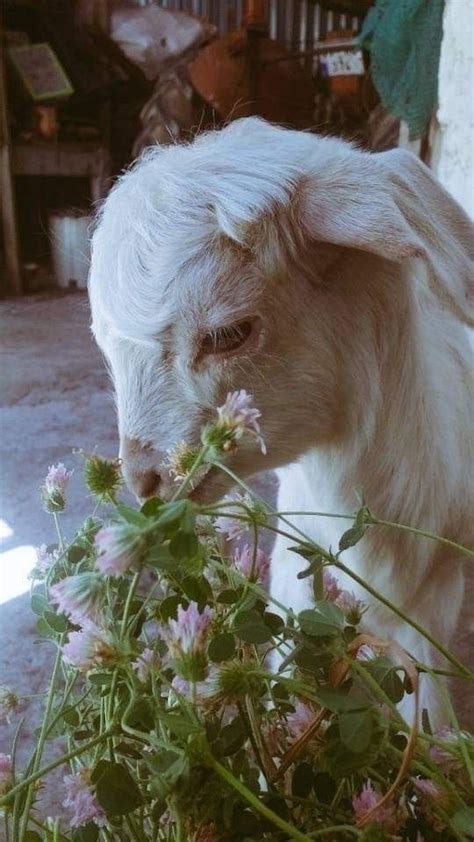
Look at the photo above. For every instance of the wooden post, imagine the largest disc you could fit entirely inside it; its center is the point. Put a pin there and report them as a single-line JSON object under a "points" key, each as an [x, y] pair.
{"points": [[7, 191], [255, 25], [255, 15]]}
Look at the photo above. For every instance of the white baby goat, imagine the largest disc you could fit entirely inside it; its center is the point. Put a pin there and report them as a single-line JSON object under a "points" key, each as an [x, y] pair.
{"points": [[343, 277]]}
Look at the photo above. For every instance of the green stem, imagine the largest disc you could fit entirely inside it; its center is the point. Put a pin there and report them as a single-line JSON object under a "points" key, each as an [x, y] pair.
{"points": [[194, 467], [319, 514], [465, 672], [266, 506], [144, 606], [39, 824], [15, 744], [379, 693], [439, 646], [376, 776], [40, 773], [109, 713], [254, 736], [59, 533], [16, 819], [337, 828], [63, 705], [257, 805], [447, 654], [238, 503], [423, 533], [254, 551], [428, 769], [179, 826], [242, 580], [424, 668], [371, 519], [337, 795], [133, 828], [56, 831], [461, 741], [128, 603], [42, 738]]}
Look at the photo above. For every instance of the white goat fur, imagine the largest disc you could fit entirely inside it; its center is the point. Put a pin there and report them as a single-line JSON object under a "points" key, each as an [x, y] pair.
{"points": [[356, 268]]}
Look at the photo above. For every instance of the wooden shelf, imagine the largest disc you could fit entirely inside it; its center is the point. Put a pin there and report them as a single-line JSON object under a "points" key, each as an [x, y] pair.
{"points": [[86, 160]]}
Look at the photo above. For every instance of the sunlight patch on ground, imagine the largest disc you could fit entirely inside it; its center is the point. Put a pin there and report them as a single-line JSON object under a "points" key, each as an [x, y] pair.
{"points": [[15, 565], [5, 530]]}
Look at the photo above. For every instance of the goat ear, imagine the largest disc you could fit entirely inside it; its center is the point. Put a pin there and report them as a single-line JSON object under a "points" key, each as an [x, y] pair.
{"points": [[389, 204], [441, 225], [351, 204]]}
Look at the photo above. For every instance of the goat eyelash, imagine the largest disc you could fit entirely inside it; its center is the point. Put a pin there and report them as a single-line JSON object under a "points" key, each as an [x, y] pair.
{"points": [[226, 339]]}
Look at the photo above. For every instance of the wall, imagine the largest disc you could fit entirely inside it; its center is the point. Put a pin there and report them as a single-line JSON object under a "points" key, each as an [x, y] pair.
{"points": [[453, 143]]}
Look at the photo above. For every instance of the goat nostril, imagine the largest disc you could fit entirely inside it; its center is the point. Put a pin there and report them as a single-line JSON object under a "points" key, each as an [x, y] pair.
{"points": [[147, 484], [140, 465]]}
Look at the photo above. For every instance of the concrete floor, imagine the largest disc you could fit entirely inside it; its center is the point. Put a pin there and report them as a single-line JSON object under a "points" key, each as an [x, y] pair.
{"points": [[55, 398]]}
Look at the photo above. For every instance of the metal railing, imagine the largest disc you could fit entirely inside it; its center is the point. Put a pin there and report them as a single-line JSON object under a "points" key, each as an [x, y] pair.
{"points": [[298, 24]]}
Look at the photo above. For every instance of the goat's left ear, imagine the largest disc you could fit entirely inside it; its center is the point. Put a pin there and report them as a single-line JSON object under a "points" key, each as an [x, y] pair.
{"points": [[352, 204], [390, 204]]}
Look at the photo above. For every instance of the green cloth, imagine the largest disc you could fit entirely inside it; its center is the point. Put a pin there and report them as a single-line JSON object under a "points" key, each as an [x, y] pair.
{"points": [[404, 40]]}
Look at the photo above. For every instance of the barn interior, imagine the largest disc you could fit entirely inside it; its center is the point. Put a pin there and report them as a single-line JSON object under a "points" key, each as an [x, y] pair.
{"points": [[85, 87]]}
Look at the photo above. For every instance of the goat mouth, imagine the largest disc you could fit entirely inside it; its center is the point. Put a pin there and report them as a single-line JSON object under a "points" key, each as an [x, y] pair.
{"points": [[210, 488]]}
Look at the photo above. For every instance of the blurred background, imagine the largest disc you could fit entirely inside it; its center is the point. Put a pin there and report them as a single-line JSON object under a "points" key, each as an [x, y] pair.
{"points": [[88, 84], [85, 87]]}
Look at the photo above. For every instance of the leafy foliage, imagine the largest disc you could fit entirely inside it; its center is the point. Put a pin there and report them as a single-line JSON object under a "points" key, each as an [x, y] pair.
{"points": [[180, 727]]}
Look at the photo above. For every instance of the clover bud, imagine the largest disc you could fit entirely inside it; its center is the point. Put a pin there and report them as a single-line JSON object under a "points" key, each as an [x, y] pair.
{"points": [[187, 641], [53, 490], [103, 477]]}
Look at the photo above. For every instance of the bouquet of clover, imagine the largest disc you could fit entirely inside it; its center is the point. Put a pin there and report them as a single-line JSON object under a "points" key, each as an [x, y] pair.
{"points": [[192, 707]]}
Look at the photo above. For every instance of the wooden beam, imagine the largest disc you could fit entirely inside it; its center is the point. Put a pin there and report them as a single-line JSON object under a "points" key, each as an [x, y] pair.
{"points": [[7, 190]]}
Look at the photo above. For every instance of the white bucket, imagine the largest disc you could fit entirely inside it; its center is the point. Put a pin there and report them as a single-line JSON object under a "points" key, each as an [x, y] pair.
{"points": [[70, 246]]}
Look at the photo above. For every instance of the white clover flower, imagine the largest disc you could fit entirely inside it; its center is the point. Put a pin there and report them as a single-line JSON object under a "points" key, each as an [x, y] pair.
{"points": [[78, 597], [235, 418], [146, 662], [238, 416], [118, 549], [88, 648], [187, 640], [80, 799]]}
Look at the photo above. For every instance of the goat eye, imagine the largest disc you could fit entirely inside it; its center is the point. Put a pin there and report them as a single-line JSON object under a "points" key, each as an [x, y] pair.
{"points": [[225, 339]]}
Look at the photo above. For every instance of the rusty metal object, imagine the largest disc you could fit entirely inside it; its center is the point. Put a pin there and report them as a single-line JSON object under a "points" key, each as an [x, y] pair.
{"points": [[246, 73]]}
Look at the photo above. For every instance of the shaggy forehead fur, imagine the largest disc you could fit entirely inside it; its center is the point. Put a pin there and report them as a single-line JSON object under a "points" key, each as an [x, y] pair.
{"points": [[184, 209], [200, 209]]}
